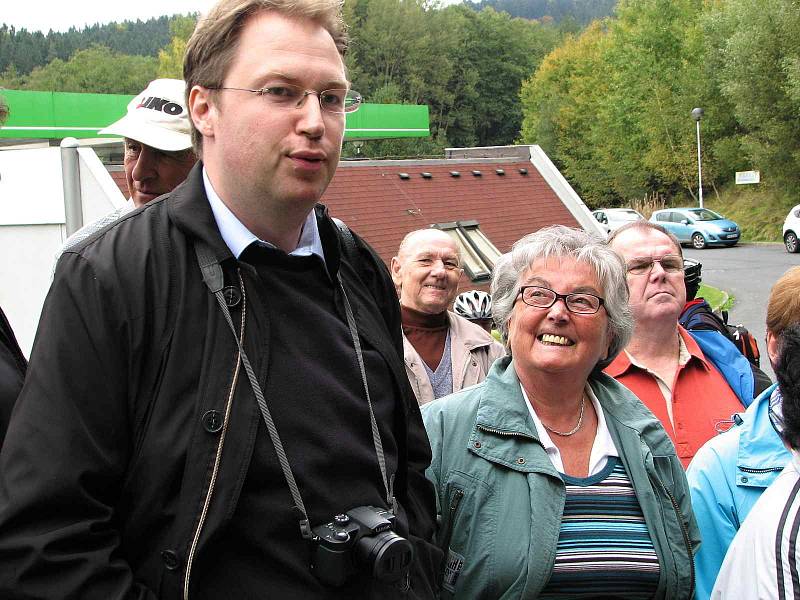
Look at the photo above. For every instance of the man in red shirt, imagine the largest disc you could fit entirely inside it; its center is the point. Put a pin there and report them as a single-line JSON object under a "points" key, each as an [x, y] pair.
{"points": [[693, 382]]}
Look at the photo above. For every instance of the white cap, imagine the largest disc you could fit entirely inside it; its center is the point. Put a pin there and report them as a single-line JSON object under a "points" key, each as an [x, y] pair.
{"points": [[157, 117]]}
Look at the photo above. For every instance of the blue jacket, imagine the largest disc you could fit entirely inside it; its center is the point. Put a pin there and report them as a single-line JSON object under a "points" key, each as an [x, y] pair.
{"points": [[726, 477], [733, 365]]}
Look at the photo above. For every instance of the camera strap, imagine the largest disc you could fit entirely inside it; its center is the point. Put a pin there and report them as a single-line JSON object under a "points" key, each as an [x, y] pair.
{"points": [[214, 280]]}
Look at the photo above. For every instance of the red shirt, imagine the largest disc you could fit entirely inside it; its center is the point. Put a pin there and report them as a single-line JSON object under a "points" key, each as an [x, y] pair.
{"points": [[701, 398]]}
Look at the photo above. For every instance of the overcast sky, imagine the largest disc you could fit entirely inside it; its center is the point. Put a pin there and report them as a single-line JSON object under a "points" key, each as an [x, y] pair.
{"points": [[58, 15]]}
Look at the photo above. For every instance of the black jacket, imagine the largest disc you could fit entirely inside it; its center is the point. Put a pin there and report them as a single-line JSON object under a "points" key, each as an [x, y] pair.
{"points": [[115, 473], [12, 372]]}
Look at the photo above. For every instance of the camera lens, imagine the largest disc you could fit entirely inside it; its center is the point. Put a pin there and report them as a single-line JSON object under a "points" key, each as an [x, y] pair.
{"points": [[386, 554]]}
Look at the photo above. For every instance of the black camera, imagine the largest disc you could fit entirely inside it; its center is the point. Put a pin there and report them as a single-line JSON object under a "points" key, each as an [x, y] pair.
{"points": [[361, 541]]}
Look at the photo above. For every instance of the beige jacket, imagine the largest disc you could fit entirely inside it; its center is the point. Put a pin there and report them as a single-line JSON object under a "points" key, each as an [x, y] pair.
{"points": [[472, 352]]}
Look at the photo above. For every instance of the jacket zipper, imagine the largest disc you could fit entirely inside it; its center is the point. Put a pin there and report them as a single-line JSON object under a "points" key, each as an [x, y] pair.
{"points": [[454, 504], [684, 531], [756, 471], [505, 433], [218, 456]]}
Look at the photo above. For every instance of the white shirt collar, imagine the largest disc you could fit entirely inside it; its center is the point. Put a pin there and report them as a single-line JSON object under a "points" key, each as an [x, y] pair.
{"points": [[238, 237], [602, 447]]}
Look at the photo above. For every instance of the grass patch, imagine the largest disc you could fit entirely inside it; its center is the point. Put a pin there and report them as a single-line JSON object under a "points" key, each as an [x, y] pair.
{"points": [[718, 299], [758, 209]]}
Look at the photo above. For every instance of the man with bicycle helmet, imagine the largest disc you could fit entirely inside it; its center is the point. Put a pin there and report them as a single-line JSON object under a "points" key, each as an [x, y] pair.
{"points": [[475, 306]]}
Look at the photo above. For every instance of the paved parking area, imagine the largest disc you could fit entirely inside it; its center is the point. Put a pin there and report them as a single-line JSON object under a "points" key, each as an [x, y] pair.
{"points": [[747, 271]]}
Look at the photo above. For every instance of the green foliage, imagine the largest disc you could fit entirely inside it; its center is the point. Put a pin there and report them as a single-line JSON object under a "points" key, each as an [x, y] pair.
{"points": [[757, 44], [26, 50], [581, 12], [612, 105], [466, 66], [96, 69], [11, 79], [170, 58]]}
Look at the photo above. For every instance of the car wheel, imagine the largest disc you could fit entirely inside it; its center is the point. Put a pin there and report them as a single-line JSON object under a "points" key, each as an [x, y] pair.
{"points": [[791, 243], [698, 241]]}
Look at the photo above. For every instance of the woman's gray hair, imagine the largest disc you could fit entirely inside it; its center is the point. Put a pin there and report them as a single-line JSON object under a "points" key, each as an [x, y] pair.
{"points": [[559, 241]]}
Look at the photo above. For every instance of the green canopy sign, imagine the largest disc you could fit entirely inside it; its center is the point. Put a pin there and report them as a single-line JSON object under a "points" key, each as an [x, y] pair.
{"points": [[56, 115]]}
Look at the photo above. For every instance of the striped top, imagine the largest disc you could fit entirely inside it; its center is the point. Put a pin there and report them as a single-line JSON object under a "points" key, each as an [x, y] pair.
{"points": [[604, 548]]}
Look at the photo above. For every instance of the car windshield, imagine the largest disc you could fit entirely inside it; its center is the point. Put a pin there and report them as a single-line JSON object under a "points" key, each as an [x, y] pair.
{"points": [[703, 214], [628, 215]]}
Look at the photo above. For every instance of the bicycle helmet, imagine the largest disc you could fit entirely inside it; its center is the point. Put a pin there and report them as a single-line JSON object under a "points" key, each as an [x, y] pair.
{"points": [[473, 305]]}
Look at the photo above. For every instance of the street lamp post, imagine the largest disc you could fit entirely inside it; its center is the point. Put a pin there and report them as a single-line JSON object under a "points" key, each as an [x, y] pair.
{"points": [[697, 114]]}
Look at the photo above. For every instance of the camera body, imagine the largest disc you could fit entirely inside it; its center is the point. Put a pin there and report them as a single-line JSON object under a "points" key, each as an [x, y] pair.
{"points": [[360, 541]]}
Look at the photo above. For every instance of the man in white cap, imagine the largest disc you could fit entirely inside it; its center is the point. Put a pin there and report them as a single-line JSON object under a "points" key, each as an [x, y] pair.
{"points": [[158, 149]]}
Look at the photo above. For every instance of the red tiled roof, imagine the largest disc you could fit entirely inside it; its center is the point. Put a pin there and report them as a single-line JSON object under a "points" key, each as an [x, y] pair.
{"points": [[372, 199], [382, 208], [118, 175]]}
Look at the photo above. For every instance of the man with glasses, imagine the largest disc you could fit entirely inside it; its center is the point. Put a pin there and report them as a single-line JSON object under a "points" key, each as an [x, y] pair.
{"points": [[217, 404], [692, 381]]}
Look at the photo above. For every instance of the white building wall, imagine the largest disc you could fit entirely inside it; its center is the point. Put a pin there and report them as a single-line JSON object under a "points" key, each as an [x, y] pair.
{"points": [[32, 226]]}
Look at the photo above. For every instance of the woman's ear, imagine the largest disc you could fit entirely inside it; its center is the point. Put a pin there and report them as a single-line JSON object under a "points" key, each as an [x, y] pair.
{"points": [[773, 348]]}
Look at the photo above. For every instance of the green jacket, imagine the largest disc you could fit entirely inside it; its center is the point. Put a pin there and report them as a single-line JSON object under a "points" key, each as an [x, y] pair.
{"points": [[500, 500]]}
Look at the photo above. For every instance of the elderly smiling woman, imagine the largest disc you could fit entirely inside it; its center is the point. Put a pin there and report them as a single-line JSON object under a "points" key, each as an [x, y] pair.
{"points": [[553, 480]]}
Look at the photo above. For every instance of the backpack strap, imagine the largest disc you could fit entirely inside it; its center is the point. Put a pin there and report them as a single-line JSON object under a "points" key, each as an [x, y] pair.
{"points": [[348, 241]]}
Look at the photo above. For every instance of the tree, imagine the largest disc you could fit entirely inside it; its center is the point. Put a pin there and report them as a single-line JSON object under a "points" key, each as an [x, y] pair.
{"points": [[170, 58], [756, 49], [560, 105], [498, 53], [95, 69], [613, 104]]}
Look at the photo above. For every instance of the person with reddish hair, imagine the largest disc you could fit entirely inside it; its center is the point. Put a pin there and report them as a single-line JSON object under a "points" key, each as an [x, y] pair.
{"points": [[730, 472]]}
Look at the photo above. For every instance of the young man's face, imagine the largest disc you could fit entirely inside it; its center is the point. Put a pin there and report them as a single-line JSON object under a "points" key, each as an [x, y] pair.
{"points": [[284, 157], [151, 173]]}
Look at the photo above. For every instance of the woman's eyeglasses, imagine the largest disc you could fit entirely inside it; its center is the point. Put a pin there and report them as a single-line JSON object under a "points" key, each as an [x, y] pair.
{"points": [[542, 297]]}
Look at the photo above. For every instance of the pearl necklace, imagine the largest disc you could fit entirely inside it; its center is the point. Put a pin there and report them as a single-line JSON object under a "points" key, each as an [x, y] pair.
{"points": [[574, 429]]}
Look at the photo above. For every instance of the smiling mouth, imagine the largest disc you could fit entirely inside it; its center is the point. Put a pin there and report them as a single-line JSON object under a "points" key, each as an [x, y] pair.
{"points": [[548, 339]]}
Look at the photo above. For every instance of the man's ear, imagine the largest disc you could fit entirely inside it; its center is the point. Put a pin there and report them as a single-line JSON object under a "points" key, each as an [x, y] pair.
{"points": [[395, 267], [202, 110]]}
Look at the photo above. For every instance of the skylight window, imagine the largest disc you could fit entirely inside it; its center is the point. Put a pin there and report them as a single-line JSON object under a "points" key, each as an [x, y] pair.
{"points": [[478, 254]]}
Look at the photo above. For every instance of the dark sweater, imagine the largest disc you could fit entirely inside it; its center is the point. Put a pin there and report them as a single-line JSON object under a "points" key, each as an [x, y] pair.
{"points": [[314, 390], [427, 333]]}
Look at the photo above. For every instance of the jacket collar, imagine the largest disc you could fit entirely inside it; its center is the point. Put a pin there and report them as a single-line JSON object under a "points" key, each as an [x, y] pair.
{"points": [[760, 446], [470, 335], [502, 408], [189, 209], [622, 363], [502, 405]]}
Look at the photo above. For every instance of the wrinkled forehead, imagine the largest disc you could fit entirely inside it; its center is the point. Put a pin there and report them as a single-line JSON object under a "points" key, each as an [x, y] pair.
{"points": [[643, 242], [436, 244], [563, 274]]}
